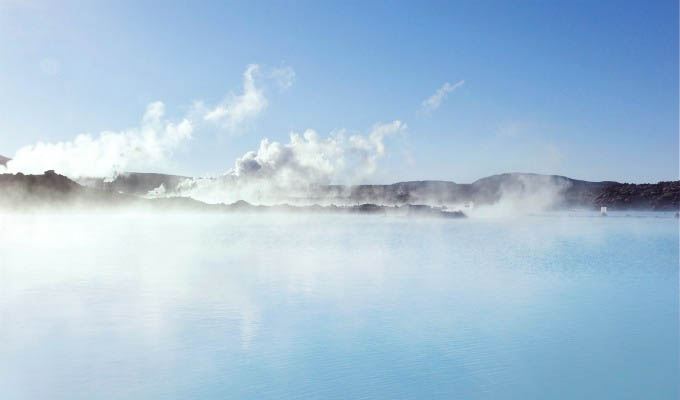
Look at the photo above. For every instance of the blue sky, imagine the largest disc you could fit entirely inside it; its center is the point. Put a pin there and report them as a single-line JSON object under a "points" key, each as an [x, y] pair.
{"points": [[577, 88]]}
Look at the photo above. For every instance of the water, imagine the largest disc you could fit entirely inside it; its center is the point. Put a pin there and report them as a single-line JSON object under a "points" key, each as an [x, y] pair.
{"points": [[331, 307]]}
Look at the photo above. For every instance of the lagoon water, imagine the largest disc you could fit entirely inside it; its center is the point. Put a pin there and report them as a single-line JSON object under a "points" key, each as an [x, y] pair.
{"points": [[338, 307]]}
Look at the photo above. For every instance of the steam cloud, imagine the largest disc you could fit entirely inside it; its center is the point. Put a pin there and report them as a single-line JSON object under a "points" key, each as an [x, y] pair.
{"points": [[108, 154], [279, 171], [236, 110], [154, 140], [525, 195]]}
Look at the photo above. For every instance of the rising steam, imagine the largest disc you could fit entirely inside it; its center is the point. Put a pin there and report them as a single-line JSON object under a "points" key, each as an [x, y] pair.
{"points": [[154, 140], [278, 171], [108, 154], [525, 194]]}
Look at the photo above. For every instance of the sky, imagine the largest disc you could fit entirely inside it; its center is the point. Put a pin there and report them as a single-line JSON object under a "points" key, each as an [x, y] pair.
{"points": [[453, 90]]}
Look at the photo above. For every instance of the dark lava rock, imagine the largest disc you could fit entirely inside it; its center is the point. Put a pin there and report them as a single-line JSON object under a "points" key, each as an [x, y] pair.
{"points": [[368, 209], [51, 189], [662, 196]]}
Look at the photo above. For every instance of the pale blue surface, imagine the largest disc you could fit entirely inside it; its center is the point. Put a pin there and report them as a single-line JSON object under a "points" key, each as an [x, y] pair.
{"points": [[331, 307]]}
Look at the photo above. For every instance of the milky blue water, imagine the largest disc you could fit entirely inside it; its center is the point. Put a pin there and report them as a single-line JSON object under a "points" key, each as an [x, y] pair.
{"points": [[330, 307]]}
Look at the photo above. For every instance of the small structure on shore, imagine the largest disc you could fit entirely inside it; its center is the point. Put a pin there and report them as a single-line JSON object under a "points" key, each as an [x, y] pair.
{"points": [[603, 211]]}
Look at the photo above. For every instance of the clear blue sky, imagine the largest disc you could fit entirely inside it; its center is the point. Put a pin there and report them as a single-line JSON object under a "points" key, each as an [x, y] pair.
{"points": [[587, 89]]}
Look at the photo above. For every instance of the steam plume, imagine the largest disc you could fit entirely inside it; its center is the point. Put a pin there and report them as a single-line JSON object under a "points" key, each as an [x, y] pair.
{"points": [[277, 171], [154, 140], [108, 154], [237, 109]]}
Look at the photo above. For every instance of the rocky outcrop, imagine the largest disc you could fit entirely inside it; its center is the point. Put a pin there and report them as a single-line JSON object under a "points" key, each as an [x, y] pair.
{"points": [[662, 196], [19, 191]]}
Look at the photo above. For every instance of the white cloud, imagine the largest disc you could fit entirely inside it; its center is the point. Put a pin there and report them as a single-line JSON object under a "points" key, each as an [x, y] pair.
{"points": [[108, 154], [238, 109], [278, 171], [283, 76], [433, 102]]}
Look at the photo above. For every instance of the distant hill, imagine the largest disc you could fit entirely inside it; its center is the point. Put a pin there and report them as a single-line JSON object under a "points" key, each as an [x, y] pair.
{"points": [[25, 191], [51, 190], [562, 192], [567, 192], [20, 192], [3, 160]]}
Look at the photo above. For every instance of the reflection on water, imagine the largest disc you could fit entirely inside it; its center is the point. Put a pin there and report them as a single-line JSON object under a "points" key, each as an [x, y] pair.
{"points": [[338, 307]]}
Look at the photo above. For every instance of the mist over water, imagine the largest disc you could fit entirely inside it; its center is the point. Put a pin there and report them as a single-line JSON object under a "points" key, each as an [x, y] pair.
{"points": [[322, 306]]}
